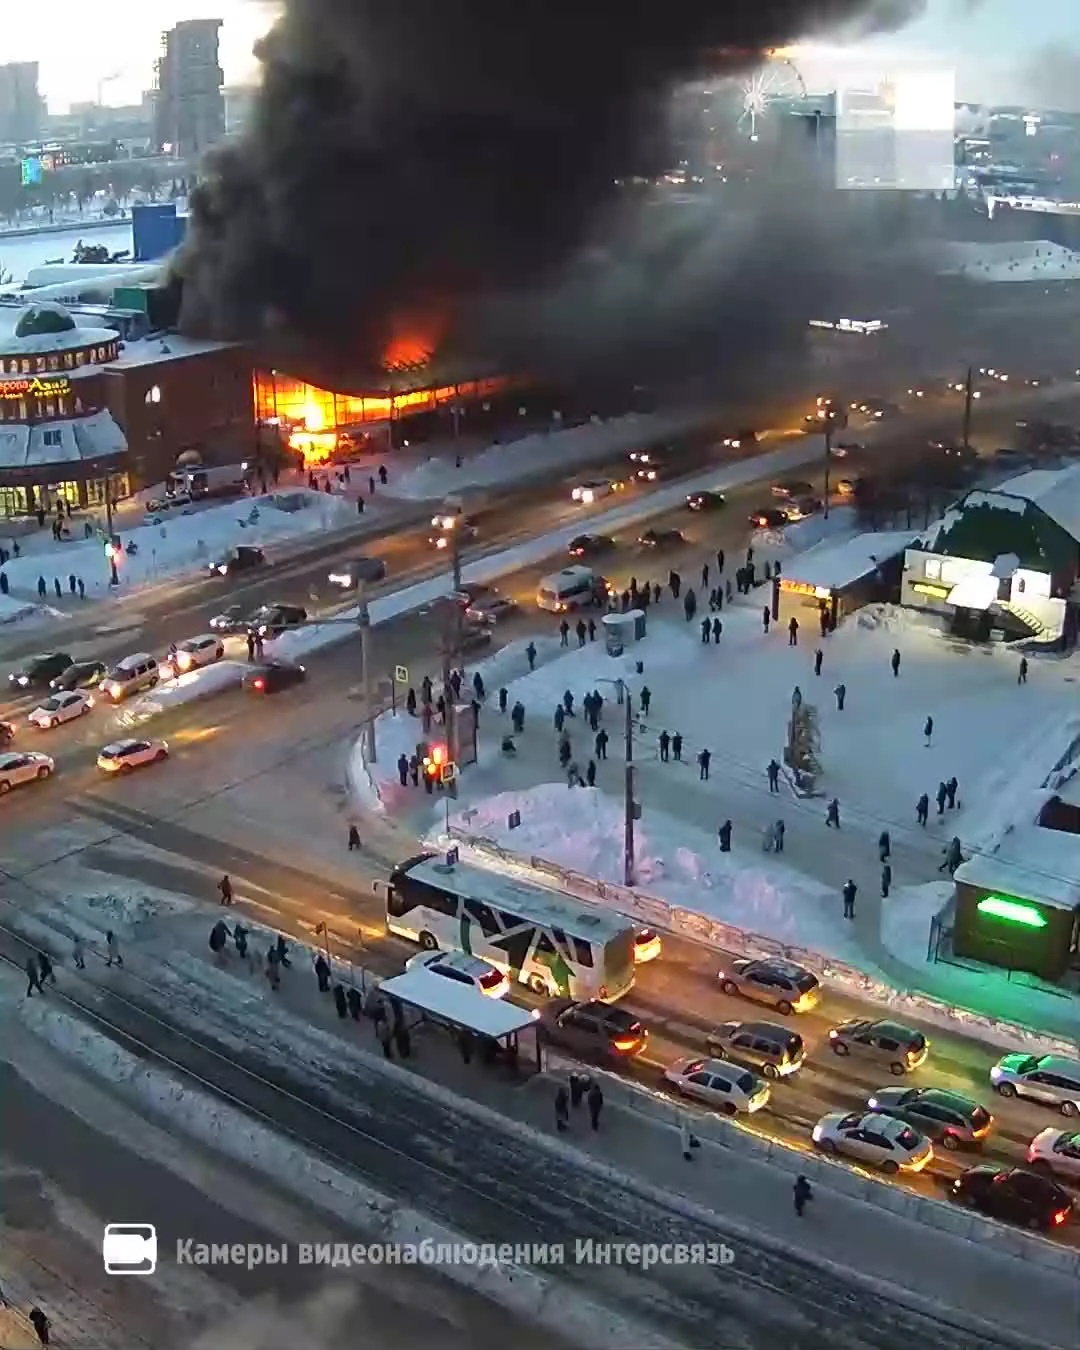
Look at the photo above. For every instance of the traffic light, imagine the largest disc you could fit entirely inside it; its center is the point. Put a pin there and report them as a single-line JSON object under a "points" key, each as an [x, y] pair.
{"points": [[110, 551], [434, 761]]}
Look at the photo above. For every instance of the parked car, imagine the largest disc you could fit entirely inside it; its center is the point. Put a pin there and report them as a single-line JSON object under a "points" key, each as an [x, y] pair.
{"points": [[773, 1051], [272, 676], [271, 621], [780, 984], [463, 969], [239, 559], [1053, 1080], [792, 487], [880, 1140], [705, 501], [1014, 1194], [61, 708], [123, 756], [888, 1043], [234, 619], [196, 652], [1056, 1153], [590, 545], [24, 766], [40, 671], [357, 572], [946, 1117], [601, 1031], [80, 675], [727, 1088], [661, 539], [491, 610]]}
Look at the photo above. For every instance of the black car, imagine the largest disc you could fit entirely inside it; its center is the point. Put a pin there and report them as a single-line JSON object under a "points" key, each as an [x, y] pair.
{"points": [[1014, 1194], [80, 675], [270, 621], [40, 671], [661, 538], [272, 676], [946, 1117], [234, 619], [356, 571], [768, 518], [596, 1030], [706, 501], [239, 559], [590, 545]]}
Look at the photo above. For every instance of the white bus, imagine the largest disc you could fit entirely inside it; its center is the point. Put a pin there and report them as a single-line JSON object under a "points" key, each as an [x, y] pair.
{"points": [[545, 939]]}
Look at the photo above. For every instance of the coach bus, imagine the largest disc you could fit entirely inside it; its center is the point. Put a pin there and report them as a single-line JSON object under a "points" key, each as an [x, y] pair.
{"points": [[542, 938]]}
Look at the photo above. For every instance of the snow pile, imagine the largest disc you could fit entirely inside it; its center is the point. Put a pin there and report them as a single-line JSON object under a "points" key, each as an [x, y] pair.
{"points": [[183, 543], [545, 452], [789, 540], [186, 688], [25, 611], [91, 913], [997, 262], [582, 829]]}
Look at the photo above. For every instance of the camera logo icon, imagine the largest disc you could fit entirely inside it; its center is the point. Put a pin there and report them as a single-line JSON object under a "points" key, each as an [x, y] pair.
{"points": [[130, 1248]]}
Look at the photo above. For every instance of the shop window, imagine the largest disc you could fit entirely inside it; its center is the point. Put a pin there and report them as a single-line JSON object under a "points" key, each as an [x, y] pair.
{"points": [[22, 410], [53, 438], [932, 569], [53, 363], [13, 501], [80, 358], [69, 361]]}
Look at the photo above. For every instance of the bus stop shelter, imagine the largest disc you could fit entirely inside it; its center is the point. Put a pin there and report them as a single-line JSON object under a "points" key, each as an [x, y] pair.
{"points": [[495, 1022]]}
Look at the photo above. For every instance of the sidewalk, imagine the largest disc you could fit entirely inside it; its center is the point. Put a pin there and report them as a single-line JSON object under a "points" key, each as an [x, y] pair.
{"points": [[729, 1195]]}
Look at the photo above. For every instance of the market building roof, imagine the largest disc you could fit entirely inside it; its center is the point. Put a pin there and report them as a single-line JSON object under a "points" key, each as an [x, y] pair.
{"points": [[23, 444], [836, 563]]}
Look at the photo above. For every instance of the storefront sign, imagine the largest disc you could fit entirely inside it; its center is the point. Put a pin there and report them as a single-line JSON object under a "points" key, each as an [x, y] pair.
{"points": [[928, 588], [33, 386], [803, 588]]}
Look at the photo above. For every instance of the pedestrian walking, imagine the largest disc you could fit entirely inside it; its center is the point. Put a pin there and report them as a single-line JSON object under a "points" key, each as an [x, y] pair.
{"points": [[82, 588], [942, 795], [818, 658], [601, 743], [717, 629], [688, 1141], [664, 741], [727, 590], [78, 952], [590, 773], [951, 789], [579, 1085], [802, 1193], [562, 1109], [928, 731], [773, 770], [886, 880], [646, 699], [504, 699], [564, 634], [719, 559], [45, 969], [778, 836], [1021, 677], [225, 887], [112, 948], [793, 632], [530, 655], [33, 977], [922, 809], [385, 1032], [595, 1099], [582, 632], [894, 661], [322, 973], [559, 717], [954, 856], [841, 693], [676, 747], [766, 618], [706, 630], [884, 846], [832, 814], [724, 833], [849, 892], [703, 759], [41, 1325]]}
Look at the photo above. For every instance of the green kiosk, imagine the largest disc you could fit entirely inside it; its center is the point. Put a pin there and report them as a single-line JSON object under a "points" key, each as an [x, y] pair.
{"points": [[1018, 917]]}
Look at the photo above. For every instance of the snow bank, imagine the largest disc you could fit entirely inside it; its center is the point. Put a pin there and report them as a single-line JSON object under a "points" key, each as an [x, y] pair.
{"points": [[186, 688], [582, 829], [542, 452], [309, 1176], [999, 262], [184, 543], [25, 611]]}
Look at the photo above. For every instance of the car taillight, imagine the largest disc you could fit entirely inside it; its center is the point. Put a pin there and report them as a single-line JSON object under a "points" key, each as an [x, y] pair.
{"points": [[1060, 1217], [260, 684], [624, 1043]]}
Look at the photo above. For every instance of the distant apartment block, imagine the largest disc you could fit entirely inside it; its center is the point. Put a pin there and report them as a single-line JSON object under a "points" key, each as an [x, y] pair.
{"points": [[189, 102], [21, 105]]}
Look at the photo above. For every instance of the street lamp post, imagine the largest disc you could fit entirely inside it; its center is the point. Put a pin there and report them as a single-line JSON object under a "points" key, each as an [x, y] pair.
{"points": [[828, 461], [629, 805], [364, 621], [969, 398]]}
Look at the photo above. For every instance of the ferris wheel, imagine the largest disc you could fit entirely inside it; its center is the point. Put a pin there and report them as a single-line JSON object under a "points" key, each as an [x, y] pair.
{"points": [[776, 81]]}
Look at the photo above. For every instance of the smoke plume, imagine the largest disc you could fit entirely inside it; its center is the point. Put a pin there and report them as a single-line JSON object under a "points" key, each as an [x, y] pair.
{"points": [[452, 165]]}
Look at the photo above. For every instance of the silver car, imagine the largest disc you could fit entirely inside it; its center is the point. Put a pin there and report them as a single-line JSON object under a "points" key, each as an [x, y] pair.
{"points": [[23, 766], [882, 1141], [887, 1043], [1056, 1153], [780, 984], [1051, 1079]]}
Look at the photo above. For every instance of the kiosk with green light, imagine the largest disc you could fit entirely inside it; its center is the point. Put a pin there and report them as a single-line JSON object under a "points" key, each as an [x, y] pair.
{"points": [[1011, 911], [1016, 932]]}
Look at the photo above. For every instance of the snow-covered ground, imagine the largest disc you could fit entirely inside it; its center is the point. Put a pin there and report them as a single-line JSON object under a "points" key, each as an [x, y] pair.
{"points": [[998, 262], [182, 543], [25, 612], [553, 451]]}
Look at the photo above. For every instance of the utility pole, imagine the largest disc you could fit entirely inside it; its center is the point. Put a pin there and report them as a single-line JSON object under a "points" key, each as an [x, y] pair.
{"points": [[364, 620], [828, 459], [629, 805], [969, 398]]}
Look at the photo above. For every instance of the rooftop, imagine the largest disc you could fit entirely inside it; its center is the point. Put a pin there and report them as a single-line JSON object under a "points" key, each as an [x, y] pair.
{"points": [[22, 444], [1031, 863], [39, 343], [460, 1003], [1056, 492], [171, 347], [835, 563]]}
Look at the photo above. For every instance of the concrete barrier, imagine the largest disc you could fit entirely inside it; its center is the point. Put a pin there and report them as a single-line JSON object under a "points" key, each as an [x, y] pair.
{"points": [[726, 938]]}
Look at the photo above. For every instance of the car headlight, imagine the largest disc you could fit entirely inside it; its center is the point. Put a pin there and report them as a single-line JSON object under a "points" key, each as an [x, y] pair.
{"points": [[23, 680]]}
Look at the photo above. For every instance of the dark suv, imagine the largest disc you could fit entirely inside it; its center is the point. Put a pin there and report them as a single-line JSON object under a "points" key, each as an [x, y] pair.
{"points": [[947, 1117], [239, 559], [39, 671], [272, 620], [1014, 1194], [594, 1030]]}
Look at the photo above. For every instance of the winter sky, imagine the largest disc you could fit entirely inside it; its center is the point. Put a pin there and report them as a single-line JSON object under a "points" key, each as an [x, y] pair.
{"points": [[1002, 50]]}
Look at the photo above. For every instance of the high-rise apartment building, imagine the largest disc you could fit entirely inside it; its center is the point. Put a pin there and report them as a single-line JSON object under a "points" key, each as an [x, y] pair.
{"points": [[21, 106], [189, 106]]}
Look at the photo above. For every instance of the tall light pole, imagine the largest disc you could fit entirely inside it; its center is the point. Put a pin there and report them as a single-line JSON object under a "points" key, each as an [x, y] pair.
{"points": [[969, 398], [364, 620], [629, 804]]}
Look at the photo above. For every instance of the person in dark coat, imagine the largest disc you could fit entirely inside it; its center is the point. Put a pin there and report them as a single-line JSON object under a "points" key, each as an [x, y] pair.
{"points": [[832, 815], [595, 1099], [322, 973], [592, 628], [818, 658], [341, 1003], [646, 698], [564, 635], [504, 698], [530, 655], [725, 837], [355, 1000], [590, 773], [664, 741], [928, 731], [403, 778], [942, 795], [886, 880], [600, 744], [841, 694], [706, 629], [1021, 677], [884, 846], [922, 809], [562, 1108], [517, 717], [894, 661], [33, 977], [717, 629], [951, 788], [559, 716], [802, 1192], [773, 770], [226, 890], [793, 632], [676, 747], [410, 702], [849, 892], [703, 759], [41, 1325], [766, 618], [414, 770], [45, 969]]}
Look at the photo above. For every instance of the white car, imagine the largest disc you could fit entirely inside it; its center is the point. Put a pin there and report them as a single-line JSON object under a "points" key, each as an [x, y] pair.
{"points": [[880, 1140], [464, 969], [728, 1088], [23, 766], [1056, 1152], [592, 491], [123, 756], [195, 653], [61, 708]]}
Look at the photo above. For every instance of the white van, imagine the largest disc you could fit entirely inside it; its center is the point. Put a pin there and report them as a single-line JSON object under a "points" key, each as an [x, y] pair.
{"points": [[572, 588], [131, 676]]}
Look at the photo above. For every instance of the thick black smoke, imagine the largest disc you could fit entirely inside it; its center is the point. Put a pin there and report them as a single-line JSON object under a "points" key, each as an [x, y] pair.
{"points": [[458, 158]]}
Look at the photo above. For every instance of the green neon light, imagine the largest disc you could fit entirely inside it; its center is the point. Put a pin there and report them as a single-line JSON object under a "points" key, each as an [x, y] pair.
{"points": [[1012, 911]]}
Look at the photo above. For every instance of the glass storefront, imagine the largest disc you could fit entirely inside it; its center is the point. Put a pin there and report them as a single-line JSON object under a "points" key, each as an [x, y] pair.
{"points": [[298, 403], [14, 501]]}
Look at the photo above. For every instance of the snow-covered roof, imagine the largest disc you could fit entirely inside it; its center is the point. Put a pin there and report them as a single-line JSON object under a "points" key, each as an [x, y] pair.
{"points": [[1032, 863], [22, 444], [835, 563], [43, 344], [458, 1003], [1040, 261], [1056, 492], [170, 347]]}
